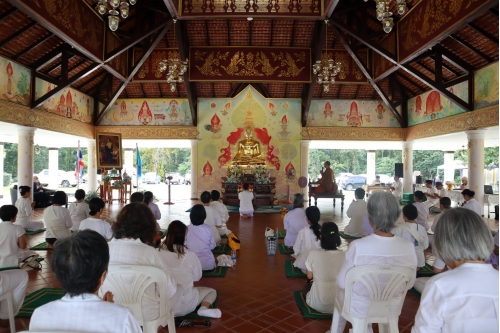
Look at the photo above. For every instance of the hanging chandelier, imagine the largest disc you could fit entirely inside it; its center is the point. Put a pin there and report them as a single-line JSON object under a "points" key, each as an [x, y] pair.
{"points": [[175, 67], [384, 14], [326, 68], [119, 8]]}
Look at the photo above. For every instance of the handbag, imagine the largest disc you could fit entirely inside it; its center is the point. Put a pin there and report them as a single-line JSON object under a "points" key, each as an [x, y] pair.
{"points": [[233, 241]]}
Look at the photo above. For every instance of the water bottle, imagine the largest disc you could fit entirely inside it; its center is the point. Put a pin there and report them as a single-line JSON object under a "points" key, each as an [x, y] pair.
{"points": [[233, 256]]}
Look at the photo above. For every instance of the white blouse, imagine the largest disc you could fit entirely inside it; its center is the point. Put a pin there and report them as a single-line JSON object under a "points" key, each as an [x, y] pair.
{"points": [[423, 214], [221, 209], [461, 300], [98, 225], [306, 241], [24, 211], [9, 250], [356, 211], [473, 205], [58, 222], [78, 211], [403, 232]]}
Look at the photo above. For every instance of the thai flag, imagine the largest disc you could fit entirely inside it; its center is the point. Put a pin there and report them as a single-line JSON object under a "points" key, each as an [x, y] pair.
{"points": [[79, 165]]}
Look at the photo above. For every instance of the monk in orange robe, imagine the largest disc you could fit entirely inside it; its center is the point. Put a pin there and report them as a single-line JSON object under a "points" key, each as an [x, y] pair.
{"points": [[326, 183]]}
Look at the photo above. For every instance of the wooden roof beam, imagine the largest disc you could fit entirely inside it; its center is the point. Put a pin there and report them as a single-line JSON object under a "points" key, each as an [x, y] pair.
{"points": [[472, 48], [486, 34], [8, 13], [17, 34], [32, 46]]}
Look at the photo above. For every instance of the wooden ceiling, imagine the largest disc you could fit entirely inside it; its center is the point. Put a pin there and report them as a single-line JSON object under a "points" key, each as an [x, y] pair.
{"points": [[30, 43]]}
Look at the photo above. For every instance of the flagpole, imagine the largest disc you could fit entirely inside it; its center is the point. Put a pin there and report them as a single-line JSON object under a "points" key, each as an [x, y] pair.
{"points": [[136, 167]]}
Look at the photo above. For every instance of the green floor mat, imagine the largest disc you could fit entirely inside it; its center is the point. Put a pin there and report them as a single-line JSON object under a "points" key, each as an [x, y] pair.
{"points": [[39, 298], [308, 312], [285, 249], [9, 268], [426, 271], [344, 236], [34, 232], [415, 293], [223, 236], [281, 234], [218, 271], [221, 249], [194, 314], [41, 247], [292, 271]]}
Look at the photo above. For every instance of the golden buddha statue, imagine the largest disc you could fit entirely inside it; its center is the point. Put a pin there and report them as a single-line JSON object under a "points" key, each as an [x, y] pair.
{"points": [[249, 151]]}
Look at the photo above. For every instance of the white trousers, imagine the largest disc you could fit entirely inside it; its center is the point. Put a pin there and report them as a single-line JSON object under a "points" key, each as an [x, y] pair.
{"points": [[31, 225], [15, 280]]}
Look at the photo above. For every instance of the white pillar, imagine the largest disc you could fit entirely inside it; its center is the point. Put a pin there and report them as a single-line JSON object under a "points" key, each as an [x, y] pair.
{"points": [[304, 164], [370, 166], [92, 166], [129, 159], [26, 137], [1, 170], [53, 168], [476, 163], [407, 167], [194, 170], [449, 170]]}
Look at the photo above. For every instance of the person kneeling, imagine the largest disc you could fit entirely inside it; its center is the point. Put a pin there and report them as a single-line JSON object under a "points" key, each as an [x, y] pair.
{"points": [[185, 267], [307, 239], [80, 263], [356, 211]]}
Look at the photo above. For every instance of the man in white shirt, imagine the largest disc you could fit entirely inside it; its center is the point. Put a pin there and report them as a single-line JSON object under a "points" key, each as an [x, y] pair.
{"points": [[213, 218], [423, 210], [376, 181], [397, 188], [222, 210], [431, 194], [81, 310]]}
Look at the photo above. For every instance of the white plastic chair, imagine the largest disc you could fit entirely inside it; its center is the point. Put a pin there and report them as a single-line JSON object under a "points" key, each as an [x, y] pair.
{"points": [[129, 294], [380, 297], [10, 308]]}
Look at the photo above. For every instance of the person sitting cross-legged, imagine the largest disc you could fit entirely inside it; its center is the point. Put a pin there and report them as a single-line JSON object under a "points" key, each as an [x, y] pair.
{"points": [[25, 206], [213, 218], [94, 222], [57, 219], [200, 238], [423, 210], [78, 210], [80, 263], [295, 220], [220, 208], [307, 239], [356, 211]]}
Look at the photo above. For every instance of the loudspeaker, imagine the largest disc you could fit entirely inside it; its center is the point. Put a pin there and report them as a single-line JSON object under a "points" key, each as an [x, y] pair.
{"points": [[419, 180], [398, 169], [99, 171]]}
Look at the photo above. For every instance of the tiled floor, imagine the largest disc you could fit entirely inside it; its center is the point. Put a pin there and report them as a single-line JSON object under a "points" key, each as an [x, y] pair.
{"points": [[255, 296]]}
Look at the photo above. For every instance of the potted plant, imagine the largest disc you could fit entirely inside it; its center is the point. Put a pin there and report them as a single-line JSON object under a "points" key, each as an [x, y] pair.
{"points": [[106, 178], [127, 179], [91, 195]]}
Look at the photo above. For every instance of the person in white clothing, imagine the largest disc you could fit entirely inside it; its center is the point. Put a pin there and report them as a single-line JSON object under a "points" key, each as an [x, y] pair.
{"points": [[423, 210], [94, 222], [323, 265], [471, 203], [440, 193], [295, 220], [465, 183], [432, 195], [15, 281], [308, 238], [222, 210], [80, 263], [213, 218], [78, 210], [185, 267], [356, 211], [57, 219], [397, 188], [246, 202], [379, 248], [444, 204], [25, 206], [148, 200], [133, 236], [465, 298], [413, 232]]}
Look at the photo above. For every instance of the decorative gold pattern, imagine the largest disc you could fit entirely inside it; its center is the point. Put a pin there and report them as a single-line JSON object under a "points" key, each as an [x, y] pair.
{"points": [[151, 132], [353, 133], [23, 115], [482, 118]]}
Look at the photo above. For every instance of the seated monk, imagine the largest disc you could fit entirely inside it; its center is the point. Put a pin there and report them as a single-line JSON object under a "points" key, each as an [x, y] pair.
{"points": [[327, 181]]}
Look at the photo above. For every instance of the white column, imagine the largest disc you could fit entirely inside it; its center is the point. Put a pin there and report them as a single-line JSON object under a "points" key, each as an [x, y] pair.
{"points": [[1, 170], [370, 166], [304, 164], [92, 166], [476, 163], [194, 170], [407, 166], [26, 137], [449, 170], [129, 159], [53, 168]]}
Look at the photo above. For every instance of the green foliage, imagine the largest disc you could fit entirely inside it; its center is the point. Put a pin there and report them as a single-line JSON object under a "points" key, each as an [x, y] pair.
{"points": [[91, 195], [342, 160], [385, 160], [7, 179], [22, 84], [427, 161], [165, 160]]}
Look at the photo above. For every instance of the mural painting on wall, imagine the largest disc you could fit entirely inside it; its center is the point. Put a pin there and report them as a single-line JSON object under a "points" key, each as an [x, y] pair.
{"points": [[262, 132], [14, 82], [432, 105], [486, 86], [68, 103], [151, 111], [350, 113]]}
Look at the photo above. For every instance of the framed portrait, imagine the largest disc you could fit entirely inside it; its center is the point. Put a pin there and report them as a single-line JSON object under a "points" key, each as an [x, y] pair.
{"points": [[109, 151]]}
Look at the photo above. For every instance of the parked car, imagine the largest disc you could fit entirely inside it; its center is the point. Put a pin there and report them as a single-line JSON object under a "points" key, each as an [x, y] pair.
{"points": [[353, 182], [187, 178], [176, 178], [342, 177], [85, 178], [151, 178], [64, 178]]}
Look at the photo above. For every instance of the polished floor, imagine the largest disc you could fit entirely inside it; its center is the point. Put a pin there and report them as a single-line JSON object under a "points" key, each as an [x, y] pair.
{"points": [[255, 295]]}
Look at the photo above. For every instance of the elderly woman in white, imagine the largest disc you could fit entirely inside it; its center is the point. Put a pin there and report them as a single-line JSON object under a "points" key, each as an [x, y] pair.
{"points": [[379, 248], [471, 203], [465, 298], [295, 220]]}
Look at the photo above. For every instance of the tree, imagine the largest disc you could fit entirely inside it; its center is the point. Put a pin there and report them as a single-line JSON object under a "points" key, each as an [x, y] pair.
{"points": [[427, 161]]}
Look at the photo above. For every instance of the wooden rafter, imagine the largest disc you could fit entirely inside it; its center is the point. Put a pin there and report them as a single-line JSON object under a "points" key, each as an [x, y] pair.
{"points": [[32, 46], [17, 34], [8, 13], [472, 48], [486, 34]]}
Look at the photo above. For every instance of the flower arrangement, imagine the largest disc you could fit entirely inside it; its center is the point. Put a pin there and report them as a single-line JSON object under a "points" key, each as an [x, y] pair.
{"points": [[106, 178], [127, 179], [118, 183], [91, 195]]}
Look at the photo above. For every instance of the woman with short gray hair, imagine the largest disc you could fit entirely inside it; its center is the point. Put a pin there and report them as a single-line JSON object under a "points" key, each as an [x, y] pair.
{"points": [[295, 220], [379, 248], [464, 298]]}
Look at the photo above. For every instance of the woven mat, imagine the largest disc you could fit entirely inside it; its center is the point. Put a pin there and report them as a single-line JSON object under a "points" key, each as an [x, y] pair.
{"points": [[34, 232], [308, 312], [41, 247], [221, 249], [344, 236], [194, 314], [39, 298], [292, 271], [426, 271], [218, 271], [281, 234], [285, 249], [415, 293]]}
